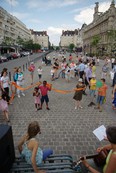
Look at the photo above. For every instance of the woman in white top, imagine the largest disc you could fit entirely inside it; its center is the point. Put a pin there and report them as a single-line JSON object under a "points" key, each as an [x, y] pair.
{"points": [[5, 85]]}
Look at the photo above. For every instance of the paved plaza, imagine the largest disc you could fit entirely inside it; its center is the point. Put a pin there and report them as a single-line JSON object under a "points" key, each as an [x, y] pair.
{"points": [[64, 129]]}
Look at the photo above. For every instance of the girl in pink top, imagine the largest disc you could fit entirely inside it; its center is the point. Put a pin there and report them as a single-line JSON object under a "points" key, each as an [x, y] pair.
{"points": [[4, 107], [36, 95]]}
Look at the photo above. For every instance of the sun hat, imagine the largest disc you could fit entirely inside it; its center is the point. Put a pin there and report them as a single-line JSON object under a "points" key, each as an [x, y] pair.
{"points": [[80, 80], [93, 75]]}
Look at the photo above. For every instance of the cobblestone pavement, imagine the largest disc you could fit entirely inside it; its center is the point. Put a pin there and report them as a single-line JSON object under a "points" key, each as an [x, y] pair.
{"points": [[64, 129]]}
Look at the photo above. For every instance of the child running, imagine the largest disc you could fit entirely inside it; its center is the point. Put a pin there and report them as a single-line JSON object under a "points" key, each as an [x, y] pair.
{"points": [[78, 94], [36, 95]]}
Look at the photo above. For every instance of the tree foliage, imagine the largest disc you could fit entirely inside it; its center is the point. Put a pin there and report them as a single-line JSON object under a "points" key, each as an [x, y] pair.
{"points": [[71, 47], [95, 40]]}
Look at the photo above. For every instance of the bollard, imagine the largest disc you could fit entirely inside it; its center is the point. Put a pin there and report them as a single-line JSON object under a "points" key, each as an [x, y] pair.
{"points": [[10, 76], [23, 68]]}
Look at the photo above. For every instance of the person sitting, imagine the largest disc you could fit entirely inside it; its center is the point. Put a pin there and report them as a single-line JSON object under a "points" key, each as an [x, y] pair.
{"points": [[110, 166], [29, 147]]}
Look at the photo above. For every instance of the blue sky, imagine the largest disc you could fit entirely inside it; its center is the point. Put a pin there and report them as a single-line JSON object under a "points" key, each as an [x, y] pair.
{"points": [[54, 16]]}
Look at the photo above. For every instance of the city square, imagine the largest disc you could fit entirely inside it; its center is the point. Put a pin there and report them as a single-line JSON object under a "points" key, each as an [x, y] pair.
{"points": [[66, 129]]}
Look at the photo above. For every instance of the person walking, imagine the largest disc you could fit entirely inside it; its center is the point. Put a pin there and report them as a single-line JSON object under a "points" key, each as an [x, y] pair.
{"points": [[81, 69]]}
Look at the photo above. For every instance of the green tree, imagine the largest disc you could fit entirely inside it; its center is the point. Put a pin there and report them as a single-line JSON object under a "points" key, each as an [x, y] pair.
{"points": [[20, 41], [112, 41], [7, 41], [94, 43], [71, 47]]}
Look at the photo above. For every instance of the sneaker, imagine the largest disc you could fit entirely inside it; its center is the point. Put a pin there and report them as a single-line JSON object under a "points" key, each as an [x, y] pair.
{"points": [[90, 104], [48, 108], [81, 107], [36, 110], [75, 107], [19, 96], [39, 108], [23, 94], [96, 107], [93, 103]]}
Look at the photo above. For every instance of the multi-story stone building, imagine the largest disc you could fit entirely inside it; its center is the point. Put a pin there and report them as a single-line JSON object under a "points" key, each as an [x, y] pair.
{"points": [[41, 38], [71, 37], [11, 28], [100, 35]]}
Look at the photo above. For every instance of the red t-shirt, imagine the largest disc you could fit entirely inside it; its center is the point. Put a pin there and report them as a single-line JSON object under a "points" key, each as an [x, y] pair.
{"points": [[44, 90]]}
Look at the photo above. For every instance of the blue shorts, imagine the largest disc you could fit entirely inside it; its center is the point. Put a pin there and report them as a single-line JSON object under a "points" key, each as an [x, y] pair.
{"points": [[100, 99], [47, 153], [92, 92], [44, 98]]}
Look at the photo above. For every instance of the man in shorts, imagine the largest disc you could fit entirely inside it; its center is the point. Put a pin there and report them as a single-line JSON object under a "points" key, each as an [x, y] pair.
{"points": [[44, 94]]}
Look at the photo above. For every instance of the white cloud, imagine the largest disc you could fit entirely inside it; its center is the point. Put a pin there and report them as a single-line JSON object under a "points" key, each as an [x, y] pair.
{"points": [[21, 16], [34, 21], [55, 32], [43, 5], [12, 2], [86, 15]]}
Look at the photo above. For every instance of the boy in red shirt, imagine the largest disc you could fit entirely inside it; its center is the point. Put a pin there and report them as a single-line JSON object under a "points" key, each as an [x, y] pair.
{"points": [[101, 95], [44, 93]]}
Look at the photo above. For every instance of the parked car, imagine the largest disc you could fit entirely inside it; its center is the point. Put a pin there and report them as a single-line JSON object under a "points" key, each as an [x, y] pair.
{"points": [[8, 56], [0, 60], [15, 55], [24, 54], [3, 58]]}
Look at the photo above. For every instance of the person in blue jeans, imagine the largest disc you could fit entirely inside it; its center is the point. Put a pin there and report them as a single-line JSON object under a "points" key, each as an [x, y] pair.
{"points": [[29, 147]]}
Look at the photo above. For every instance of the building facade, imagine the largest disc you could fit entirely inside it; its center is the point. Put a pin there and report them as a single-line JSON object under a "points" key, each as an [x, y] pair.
{"points": [[40, 37], [12, 28], [99, 37], [71, 37]]}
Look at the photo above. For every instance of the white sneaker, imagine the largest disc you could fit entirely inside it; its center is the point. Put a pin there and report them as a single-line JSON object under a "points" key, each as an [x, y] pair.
{"points": [[23, 94], [75, 107], [19, 96], [81, 107]]}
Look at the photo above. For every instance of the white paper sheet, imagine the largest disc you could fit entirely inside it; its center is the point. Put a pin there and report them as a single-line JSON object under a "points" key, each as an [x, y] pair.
{"points": [[100, 132]]}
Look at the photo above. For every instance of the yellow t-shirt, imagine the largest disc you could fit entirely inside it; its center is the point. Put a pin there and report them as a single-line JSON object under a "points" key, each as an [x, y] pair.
{"points": [[94, 70], [93, 84], [107, 161]]}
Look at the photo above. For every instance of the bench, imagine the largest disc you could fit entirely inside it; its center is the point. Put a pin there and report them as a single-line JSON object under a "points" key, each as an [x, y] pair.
{"points": [[53, 164]]}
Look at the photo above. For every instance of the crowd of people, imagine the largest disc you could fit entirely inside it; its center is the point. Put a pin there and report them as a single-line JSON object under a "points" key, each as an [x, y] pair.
{"points": [[83, 70]]}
